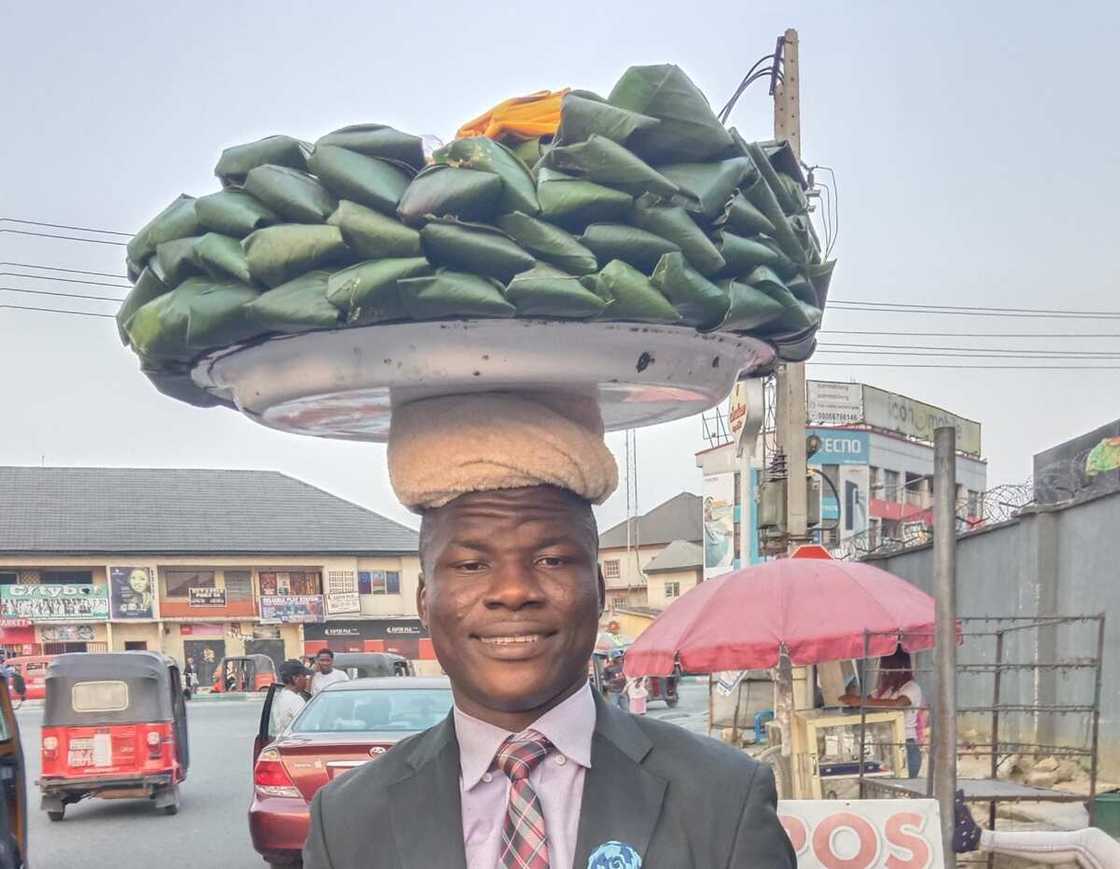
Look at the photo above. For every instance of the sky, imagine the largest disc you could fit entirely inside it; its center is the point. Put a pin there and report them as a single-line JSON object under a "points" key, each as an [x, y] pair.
{"points": [[974, 146]]}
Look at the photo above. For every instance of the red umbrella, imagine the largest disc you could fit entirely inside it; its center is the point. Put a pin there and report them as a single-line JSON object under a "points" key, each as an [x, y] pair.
{"points": [[816, 610]]}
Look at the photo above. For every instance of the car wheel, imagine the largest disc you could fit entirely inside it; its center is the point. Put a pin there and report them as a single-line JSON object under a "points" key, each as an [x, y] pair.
{"points": [[56, 815]]}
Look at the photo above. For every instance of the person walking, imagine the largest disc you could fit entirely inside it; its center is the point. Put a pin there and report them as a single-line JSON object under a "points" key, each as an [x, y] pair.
{"points": [[288, 702], [326, 674]]}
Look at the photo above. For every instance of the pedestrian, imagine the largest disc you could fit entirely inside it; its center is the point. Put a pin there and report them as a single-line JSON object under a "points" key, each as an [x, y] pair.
{"points": [[898, 688], [326, 674], [289, 701], [615, 680], [638, 692], [531, 769]]}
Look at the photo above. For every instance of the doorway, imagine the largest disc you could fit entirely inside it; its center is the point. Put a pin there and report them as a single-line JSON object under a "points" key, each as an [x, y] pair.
{"points": [[273, 648], [136, 645], [204, 655]]}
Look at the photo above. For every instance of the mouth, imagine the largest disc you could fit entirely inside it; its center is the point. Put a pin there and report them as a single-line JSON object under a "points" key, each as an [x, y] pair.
{"points": [[514, 644]]}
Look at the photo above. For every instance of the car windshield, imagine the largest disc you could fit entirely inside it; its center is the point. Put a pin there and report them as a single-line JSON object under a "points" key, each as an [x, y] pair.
{"points": [[382, 710]]}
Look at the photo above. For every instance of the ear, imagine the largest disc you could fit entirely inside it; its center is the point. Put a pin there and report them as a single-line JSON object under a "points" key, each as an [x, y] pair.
{"points": [[422, 600], [602, 587]]}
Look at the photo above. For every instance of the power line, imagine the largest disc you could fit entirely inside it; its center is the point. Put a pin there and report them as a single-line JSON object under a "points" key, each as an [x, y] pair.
{"points": [[976, 310], [967, 367], [920, 334], [906, 350], [65, 226], [63, 295], [66, 280], [60, 269], [56, 311], [64, 237]]}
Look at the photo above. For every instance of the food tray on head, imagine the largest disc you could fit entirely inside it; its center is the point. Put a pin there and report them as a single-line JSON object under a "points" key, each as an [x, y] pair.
{"points": [[344, 383]]}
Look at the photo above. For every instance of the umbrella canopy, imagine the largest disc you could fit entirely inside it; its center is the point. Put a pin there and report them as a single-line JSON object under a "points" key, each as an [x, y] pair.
{"points": [[816, 610]]}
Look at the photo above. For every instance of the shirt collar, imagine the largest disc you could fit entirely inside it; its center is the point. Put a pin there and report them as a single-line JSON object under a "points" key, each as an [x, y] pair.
{"points": [[569, 726]]}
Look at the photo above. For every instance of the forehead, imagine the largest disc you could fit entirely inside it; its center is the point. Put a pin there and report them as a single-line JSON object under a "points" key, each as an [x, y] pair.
{"points": [[543, 509]]}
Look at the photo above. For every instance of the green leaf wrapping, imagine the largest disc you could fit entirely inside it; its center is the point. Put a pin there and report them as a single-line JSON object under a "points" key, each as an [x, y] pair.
{"points": [[544, 291], [519, 192], [216, 316], [672, 222], [616, 241], [365, 180], [372, 235], [548, 243], [177, 220], [147, 288], [159, 329], [378, 140], [689, 129], [237, 162], [233, 212], [481, 250], [605, 162], [446, 191], [574, 203], [222, 258], [699, 302], [454, 295], [630, 295], [761, 160], [583, 115], [743, 218], [709, 185], [174, 261], [292, 194], [749, 308], [369, 291], [796, 316], [744, 254], [295, 306], [277, 254]]}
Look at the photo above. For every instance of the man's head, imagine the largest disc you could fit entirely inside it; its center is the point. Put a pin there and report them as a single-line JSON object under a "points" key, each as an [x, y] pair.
{"points": [[511, 595], [294, 675], [325, 660]]}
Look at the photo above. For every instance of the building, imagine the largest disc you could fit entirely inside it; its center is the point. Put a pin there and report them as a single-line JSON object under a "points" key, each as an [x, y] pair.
{"points": [[199, 564], [649, 560]]}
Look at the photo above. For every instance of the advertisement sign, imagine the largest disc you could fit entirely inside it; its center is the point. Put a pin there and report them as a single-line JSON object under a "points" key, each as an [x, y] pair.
{"points": [[719, 524], [834, 403], [292, 608], [745, 413], [206, 597], [831, 834], [367, 629], [342, 592], [67, 633], [855, 498], [61, 603], [131, 593], [905, 416], [839, 447]]}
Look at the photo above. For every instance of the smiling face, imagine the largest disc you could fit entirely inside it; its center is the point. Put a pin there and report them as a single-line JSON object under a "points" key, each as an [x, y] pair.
{"points": [[511, 598]]}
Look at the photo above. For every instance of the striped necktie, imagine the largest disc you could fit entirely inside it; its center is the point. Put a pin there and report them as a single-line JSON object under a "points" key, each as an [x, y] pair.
{"points": [[524, 838]]}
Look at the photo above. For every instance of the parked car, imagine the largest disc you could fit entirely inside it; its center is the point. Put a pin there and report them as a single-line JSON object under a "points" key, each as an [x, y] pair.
{"points": [[363, 665], [342, 727]]}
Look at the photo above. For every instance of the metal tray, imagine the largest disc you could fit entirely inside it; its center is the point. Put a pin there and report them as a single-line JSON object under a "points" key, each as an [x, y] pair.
{"points": [[344, 383]]}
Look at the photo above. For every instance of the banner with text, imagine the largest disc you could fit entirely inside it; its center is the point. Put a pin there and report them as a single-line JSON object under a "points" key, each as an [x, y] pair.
{"points": [[78, 602], [292, 608], [864, 834]]}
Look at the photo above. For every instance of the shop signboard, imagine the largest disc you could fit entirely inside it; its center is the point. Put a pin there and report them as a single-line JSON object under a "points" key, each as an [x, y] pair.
{"points": [[719, 524], [366, 629], [299, 609], [905, 416], [131, 593], [67, 633], [840, 447], [61, 603], [830, 833], [835, 403], [208, 598], [342, 592]]}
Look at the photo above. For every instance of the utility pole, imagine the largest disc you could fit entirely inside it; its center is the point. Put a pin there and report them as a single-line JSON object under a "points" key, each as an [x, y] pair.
{"points": [[792, 413], [944, 755]]}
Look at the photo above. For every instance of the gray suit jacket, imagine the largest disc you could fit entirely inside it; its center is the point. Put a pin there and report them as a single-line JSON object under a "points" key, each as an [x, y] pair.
{"points": [[682, 801]]}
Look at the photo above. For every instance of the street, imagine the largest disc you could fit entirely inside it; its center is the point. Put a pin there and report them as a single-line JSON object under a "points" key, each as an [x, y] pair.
{"points": [[211, 827]]}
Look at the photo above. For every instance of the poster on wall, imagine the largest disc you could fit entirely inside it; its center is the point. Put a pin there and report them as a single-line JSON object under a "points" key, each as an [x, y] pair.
{"points": [[342, 592], [67, 633], [719, 524], [379, 582], [206, 597], [285, 582], [61, 603], [288, 609], [855, 498], [131, 593]]}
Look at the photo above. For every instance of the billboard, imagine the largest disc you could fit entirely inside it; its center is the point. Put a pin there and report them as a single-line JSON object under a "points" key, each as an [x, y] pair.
{"points": [[905, 416], [206, 597], [292, 608], [840, 447], [342, 592], [1083, 467], [131, 593], [78, 602], [719, 524], [834, 403]]}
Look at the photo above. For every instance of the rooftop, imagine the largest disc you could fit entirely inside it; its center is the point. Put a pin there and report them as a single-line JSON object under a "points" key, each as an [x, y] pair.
{"points": [[679, 518], [678, 555]]}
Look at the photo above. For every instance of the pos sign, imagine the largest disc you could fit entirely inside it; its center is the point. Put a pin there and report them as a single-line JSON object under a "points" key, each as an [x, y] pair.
{"points": [[864, 834]]}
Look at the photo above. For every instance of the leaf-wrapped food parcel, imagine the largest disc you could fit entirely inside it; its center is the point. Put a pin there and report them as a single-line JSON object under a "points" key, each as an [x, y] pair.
{"points": [[174, 261], [452, 295], [574, 203], [378, 140], [368, 291], [216, 315], [277, 254], [177, 220], [548, 243], [743, 218], [519, 192], [223, 258], [786, 199], [630, 295], [744, 254], [233, 212], [689, 129], [147, 288], [709, 185], [584, 114], [796, 315], [365, 180], [237, 162], [447, 191], [292, 194], [672, 222], [617, 241], [295, 306], [699, 302], [372, 235], [545, 291], [748, 309], [478, 249], [605, 162], [159, 329]]}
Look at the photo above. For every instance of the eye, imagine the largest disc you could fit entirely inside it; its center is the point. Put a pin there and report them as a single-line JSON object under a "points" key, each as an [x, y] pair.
{"points": [[552, 561], [471, 566]]}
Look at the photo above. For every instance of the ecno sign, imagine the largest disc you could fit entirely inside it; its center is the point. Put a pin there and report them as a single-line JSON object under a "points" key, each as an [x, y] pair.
{"points": [[864, 834]]}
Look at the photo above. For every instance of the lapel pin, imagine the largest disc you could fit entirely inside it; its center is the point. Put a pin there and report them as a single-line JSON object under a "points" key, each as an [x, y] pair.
{"points": [[614, 855]]}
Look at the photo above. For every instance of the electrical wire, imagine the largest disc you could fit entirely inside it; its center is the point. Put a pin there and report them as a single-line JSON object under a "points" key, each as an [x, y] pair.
{"points": [[55, 311], [60, 269], [63, 295], [906, 348], [922, 334], [930, 308], [64, 226], [753, 75], [967, 367], [65, 280], [64, 237]]}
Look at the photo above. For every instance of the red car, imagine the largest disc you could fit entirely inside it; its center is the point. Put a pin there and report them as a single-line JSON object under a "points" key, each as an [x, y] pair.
{"points": [[344, 726]]}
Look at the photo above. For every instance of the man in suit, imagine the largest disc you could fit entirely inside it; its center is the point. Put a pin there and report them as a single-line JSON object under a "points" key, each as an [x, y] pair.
{"points": [[532, 770]]}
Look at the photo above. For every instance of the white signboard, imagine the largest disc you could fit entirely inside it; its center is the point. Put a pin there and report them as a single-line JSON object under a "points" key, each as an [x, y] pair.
{"points": [[897, 413], [864, 834], [835, 403], [342, 592], [745, 413]]}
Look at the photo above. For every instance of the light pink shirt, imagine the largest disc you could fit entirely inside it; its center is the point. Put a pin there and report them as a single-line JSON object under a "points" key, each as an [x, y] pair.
{"points": [[558, 780]]}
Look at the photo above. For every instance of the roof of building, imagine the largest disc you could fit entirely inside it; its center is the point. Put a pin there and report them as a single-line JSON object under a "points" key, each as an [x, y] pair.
{"points": [[679, 518], [678, 555], [184, 511]]}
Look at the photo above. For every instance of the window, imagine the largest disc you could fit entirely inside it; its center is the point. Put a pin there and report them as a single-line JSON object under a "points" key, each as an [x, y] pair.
{"points": [[99, 697], [67, 577], [975, 504], [612, 568], [291, 583], [672, 589], [385, 710], [9, 577], [178, 581], [379, 582], [239, 585], [875, 479], [890, 486]]}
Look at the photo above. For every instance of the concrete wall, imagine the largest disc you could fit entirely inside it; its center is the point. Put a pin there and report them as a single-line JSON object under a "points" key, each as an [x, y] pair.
{"points": [[655, 593], [1053, 561]]}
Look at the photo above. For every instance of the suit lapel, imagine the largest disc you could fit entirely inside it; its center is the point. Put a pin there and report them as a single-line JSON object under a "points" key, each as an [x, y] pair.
{"points": [[427, 805], [621, 800]]}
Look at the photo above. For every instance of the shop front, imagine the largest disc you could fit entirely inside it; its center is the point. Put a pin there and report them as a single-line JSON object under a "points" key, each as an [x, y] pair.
{"points": [[401, 636], [18, 638], [67, 617]]}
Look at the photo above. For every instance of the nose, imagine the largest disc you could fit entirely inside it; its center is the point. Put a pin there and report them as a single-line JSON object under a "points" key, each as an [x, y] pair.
{"points": [[513, 586]]}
